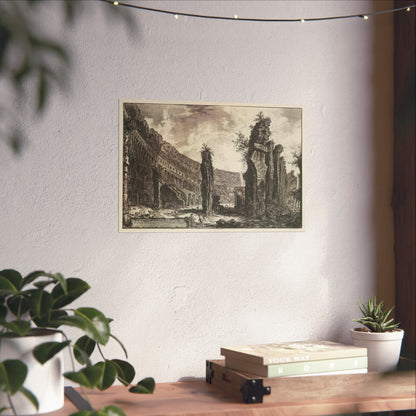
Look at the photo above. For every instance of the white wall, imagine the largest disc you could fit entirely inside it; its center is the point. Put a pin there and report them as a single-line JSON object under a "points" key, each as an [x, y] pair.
{"points": [[177, 298]]}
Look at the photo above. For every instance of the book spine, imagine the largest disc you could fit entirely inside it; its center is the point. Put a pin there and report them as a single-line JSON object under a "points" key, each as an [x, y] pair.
{"points": [[333, 373], [309, 367], [313, 367], [260, 358], [314, 356]]}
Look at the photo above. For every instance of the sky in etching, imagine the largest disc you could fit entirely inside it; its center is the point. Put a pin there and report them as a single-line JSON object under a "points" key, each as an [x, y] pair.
{"points": [[188, 126]]}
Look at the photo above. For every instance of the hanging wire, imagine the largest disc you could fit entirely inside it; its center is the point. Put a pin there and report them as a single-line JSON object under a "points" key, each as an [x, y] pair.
{"points": [[249, 19]]}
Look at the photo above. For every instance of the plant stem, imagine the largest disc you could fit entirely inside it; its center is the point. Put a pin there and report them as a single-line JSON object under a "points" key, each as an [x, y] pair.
{"points": [[73, 369], [19, 310], [101, 353], [11, 404]]}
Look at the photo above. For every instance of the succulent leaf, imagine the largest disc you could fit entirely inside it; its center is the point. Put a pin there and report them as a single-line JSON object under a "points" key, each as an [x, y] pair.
{"points": [[375, 318]]}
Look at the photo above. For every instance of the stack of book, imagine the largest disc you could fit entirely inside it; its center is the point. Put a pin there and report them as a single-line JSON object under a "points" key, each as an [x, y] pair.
{"points": [[296, 359]]}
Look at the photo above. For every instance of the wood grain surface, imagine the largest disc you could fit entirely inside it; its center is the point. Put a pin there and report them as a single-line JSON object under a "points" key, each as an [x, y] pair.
{"points": [[300, 396]]}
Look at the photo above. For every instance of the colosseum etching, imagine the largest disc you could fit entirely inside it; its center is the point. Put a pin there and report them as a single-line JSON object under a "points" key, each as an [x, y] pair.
{"points": [[162, 187]]}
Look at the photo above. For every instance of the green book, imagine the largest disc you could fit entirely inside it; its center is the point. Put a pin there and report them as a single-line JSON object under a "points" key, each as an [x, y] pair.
{"points": [[338, 365], [292, 352]]}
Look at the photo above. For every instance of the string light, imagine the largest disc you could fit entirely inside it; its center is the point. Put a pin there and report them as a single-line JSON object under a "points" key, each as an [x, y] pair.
{"points": [[249, 19]]}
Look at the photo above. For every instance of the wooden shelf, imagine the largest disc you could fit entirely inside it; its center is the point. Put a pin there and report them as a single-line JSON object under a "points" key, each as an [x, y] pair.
{"points": [[308, 396]]}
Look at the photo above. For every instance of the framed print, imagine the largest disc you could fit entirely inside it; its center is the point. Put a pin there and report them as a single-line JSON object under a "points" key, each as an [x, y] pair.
{"points": [[210, 167]]}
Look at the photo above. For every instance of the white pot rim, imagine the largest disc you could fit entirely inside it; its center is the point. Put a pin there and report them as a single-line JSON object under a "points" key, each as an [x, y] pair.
{"points": [[396, 334]]}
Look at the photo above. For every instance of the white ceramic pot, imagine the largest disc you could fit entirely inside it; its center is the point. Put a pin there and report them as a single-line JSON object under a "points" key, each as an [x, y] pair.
{"points": [[44, 381], [383, 348]]}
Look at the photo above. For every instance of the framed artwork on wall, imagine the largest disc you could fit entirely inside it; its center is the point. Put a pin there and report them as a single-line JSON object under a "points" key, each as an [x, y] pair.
{"points": [[210, 167]]}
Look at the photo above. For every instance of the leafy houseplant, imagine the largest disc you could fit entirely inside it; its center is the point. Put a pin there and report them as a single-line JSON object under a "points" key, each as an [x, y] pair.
{"points": [[40, 302], [381, 335]]}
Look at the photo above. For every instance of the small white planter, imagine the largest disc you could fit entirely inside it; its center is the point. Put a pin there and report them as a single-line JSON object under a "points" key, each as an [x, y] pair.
{"points": [[44, 381], [383, 348]]}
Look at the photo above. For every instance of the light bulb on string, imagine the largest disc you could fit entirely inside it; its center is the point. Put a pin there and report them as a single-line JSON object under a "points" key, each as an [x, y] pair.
{"points": [[249, 19]]}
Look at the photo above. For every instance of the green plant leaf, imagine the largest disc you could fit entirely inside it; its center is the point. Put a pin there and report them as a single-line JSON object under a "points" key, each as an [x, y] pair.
{"points": [[18, 305], [18, 327], [55, 316], [108, 374], [62, 281], [13, 276], [88, 376], [75, 321], [54, 277], [6, 287], [83, 413], [98, 328], [45, 351], [105, 411], [3, 312], [31, 277], [145, 386], [363, 308], [83, 349], [110, 411], [75, 288], [125, 371], [29, 395], [82, 356], [40, 304], [44, 283], [387, 314], [12, 375], [374, 317], [91, 321]]}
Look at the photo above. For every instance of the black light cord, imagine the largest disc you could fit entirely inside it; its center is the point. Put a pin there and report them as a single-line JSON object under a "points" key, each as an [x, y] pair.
{"points": [[249, 19]]}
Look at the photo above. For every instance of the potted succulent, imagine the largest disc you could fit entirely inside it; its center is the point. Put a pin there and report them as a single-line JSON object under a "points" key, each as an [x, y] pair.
{"points": [[380, 335], [34, 310]]}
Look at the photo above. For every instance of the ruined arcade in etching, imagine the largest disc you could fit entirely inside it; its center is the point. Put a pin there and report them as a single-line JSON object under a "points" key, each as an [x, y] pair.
{"points": [[165, 185]]}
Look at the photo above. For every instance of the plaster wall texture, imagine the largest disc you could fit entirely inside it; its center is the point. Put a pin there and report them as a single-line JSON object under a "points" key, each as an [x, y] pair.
{"points": [[176, 298]]}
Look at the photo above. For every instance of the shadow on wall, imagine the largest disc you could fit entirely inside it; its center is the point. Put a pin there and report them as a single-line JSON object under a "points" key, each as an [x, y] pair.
{"points": [[403, 202], [31, 60], [382, 214]]}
